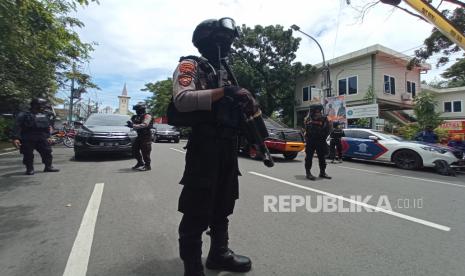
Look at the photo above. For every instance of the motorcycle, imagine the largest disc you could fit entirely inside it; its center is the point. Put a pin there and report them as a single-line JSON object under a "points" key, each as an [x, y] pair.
{"points": [[63, 136]]}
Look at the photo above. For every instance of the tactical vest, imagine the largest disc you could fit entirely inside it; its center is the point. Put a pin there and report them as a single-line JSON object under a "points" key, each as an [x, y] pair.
{"points": [[337, 134], [317, 130], [39, 122], [146, 131], [207, 80]]}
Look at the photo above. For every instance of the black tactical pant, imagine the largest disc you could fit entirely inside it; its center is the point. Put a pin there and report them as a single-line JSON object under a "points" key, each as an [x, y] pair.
{"points": [[210, 190], [39, 143], [321, 149], [142, 148], [335, 146]]}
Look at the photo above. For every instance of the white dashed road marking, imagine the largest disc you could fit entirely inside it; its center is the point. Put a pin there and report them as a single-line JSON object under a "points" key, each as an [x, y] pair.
{"points": [[79, 257], [181, 151]]}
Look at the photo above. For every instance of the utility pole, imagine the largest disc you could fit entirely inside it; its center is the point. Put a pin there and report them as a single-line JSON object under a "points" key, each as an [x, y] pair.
{"points": [[71, 99]]}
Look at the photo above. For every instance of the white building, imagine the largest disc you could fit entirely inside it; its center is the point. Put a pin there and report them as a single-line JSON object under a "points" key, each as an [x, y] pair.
{"points": [[107, 110], [379, 67], [450, 102]]}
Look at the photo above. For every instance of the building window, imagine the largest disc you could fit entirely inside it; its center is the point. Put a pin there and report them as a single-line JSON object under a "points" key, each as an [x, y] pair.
{"points": [[411, 88], [348, 86], [389, 85], [447, 107], [457, 106], [342, 84], [454, 106], [305, 92]]}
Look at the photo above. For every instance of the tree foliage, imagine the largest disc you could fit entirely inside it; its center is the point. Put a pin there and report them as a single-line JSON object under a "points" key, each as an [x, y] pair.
{"points": [[263, 60], [162, 91], [437, 43], [424, 105], [37, 48]]}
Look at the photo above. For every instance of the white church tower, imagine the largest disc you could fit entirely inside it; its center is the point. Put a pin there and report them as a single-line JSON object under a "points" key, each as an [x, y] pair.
{"points": [[124, 102]]}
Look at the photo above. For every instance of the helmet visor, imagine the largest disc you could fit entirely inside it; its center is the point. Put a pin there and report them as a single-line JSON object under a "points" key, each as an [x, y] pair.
{"points": [[228, 24]]}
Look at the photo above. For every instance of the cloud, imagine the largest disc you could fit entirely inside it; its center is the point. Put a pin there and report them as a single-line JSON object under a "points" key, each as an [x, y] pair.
{"points": [[141, 41]]}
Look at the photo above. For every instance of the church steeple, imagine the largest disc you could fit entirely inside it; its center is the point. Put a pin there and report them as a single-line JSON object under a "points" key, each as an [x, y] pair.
{"points": [[124, 101], [125, 91]]}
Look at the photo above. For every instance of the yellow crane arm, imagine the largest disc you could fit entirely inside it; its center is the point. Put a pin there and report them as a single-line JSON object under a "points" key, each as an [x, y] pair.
{"points": [[437, 19]]}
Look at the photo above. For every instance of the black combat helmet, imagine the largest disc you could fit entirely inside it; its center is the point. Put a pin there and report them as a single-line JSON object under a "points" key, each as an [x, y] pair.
{"points": [[39, 102], [211, 34], [139, 108], [315, 107]]}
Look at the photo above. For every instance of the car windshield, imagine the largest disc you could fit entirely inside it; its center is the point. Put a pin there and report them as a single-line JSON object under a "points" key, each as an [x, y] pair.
{"points": [[107, 120], [164, 127], [387, 136]]}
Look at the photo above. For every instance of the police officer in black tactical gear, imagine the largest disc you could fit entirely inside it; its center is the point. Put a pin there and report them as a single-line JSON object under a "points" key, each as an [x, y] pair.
{"points": [[32, 131], [317, 129], [335, 144], [204, 88], [142, 122]]}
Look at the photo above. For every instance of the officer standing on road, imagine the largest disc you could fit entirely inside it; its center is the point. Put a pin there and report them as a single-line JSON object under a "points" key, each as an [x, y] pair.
{"points": [[142, 122], [317, 129], [210, 180], [335, 144], [32, 131]]}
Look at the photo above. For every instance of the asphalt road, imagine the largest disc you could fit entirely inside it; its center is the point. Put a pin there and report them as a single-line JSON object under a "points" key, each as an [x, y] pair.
{"points": [[98, 217]]}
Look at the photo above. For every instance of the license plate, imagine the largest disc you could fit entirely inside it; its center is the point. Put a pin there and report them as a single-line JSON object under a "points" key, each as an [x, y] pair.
{"points": [[108, 144]]}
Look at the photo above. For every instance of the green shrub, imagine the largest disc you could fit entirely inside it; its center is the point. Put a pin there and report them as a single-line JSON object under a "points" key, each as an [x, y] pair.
{"points": [[409, 131], [5, 128]]}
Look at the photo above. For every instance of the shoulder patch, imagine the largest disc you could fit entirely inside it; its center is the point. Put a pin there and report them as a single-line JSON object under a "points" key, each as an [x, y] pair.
{"points": [[185, 80], [187, 67]]}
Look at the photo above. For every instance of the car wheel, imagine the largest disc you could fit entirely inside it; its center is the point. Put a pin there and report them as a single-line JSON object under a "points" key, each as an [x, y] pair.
{"points": [[407, 160], [176, 141], [290, 155]]}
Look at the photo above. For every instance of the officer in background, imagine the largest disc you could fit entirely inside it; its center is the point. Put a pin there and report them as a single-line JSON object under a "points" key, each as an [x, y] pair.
{"points": [[335, 144], [317, 129], [210, 179], [32, 131], [142, 122]]}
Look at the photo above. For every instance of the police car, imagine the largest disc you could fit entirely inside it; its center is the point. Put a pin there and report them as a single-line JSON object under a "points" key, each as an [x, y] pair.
{"points": [[377, 146]]}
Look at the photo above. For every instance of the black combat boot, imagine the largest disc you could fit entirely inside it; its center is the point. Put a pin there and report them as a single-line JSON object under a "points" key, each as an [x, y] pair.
{"points": [[50, 168], [324, 175], [309, 175], [29, 170], [221, 257], [191, 254], [145, 168], [138, 165]]}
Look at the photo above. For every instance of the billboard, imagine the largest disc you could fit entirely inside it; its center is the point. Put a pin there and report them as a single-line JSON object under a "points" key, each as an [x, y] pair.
{"points": [[335, 109]]}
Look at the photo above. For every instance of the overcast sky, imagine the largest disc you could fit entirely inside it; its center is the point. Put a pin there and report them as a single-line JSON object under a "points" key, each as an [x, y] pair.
{"points": [[141, 41]]}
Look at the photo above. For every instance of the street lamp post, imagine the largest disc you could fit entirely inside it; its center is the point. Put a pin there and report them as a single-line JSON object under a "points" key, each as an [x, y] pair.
{"points": [[326, 71]]}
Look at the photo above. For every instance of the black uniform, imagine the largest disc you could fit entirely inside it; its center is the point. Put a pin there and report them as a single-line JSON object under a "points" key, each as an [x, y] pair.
{"points": [[335, 144], [142, 146], [33, 131], [316, 132], [211, 171]]}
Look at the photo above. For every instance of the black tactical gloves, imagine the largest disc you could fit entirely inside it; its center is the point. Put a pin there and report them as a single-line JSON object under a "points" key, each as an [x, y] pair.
{"points": [[244, 98]]}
